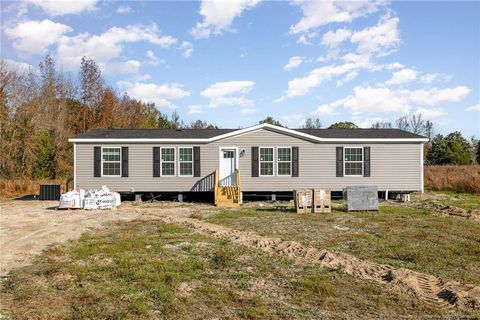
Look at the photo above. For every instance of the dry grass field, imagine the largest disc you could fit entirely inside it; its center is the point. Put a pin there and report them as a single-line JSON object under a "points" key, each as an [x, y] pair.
{"points": [[453, 178], [10, 188]]}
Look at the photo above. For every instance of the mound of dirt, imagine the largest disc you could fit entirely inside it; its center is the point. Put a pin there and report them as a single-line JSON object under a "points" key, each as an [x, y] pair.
{"points": [[448, 210], [418, 285]]}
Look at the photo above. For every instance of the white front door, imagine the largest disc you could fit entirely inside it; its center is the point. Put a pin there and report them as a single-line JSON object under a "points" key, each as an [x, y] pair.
{"points": [[227, 166]]}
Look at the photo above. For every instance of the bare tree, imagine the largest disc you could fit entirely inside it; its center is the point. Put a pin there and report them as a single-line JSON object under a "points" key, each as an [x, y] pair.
{"points": [[92, 88], [311, 123], [382, 125], [417, 124], [402, 123]]}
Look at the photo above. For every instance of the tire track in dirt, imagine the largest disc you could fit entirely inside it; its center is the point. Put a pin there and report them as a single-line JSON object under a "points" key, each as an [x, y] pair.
{"points": [[419, 285]]}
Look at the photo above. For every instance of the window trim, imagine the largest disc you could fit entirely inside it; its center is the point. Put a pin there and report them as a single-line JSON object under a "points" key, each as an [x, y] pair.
{"points": [[260, 162], [344, 162], [178, 162], [120, 162], [174, 162], [277, 161]]}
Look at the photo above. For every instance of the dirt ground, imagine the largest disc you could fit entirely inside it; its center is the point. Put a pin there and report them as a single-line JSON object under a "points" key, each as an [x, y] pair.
{"points": [[28, 227]]}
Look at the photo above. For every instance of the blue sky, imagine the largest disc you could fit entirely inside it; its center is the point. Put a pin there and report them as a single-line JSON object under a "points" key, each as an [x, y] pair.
{"points": [[234, 63]]}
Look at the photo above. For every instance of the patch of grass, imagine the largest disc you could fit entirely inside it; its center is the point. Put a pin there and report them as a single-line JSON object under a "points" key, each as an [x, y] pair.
{"points": [[150, 269], [196, 215], [445, 246]]}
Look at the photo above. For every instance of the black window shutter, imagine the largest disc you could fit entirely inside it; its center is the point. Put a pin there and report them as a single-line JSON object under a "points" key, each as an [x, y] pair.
{"points": [[124, 161], [97, 161], [196, 162], [156, 161], [366, 161], [295, 162], [254, 161], [339, 162]]}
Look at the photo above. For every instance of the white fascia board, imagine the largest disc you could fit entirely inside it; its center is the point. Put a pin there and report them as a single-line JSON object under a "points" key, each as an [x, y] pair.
{"points": [[249, 129], [419, 140], [135, 140]]}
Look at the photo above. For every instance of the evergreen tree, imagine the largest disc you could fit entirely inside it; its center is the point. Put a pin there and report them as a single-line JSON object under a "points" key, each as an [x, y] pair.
{"points": [[452, 149], [271, 120], [343, 125]]}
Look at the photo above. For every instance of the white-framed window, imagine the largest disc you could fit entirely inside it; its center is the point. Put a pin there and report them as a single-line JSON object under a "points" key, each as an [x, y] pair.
{"points": [[284, 161], [185, 161], [266, 161], [353, 161], [167, 161], [111, 162]]}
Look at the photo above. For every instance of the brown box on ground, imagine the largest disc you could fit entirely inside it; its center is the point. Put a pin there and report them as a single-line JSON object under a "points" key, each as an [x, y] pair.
{"points": [[303, 200], [321, 201]]}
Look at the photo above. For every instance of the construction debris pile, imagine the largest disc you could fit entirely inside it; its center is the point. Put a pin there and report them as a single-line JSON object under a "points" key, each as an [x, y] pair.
{"points": [[90, 200]]}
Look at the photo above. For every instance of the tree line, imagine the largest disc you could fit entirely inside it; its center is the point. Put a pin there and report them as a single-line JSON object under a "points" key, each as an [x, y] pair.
{"points": [[439, 150], [40, 109]]}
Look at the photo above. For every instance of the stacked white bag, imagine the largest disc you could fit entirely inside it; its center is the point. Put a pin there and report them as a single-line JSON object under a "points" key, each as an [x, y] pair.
{"points": [[72, 199], [91, 200], [101, 199]]}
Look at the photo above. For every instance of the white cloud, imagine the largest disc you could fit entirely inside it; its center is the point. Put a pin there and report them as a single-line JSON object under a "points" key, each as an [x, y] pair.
{"points": [[194, 109], [331, 54], [63, 7], [293, 62], [380, 39], [375, 100], [218, 15], [17, 65], [126, 67], [320, 13], [124, 9], [295, 120], [475, 107], [304, 40], [367, 122], [153, 59], [349, 77], [403, 76], [229, 93], [394, 66], [186, 48], [154, 93], [34, 37], [434, 96], [302, 86], [431, 77], [333, 38], [248, 110], [327, 109], [107, 46], [431, 113]]}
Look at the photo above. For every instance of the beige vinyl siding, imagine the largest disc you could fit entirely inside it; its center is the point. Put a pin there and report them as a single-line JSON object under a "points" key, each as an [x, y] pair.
{"points": [[394, 166]]}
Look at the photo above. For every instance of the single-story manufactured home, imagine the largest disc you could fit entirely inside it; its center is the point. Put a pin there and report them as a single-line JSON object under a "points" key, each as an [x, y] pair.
{"points": [[261, 158]]}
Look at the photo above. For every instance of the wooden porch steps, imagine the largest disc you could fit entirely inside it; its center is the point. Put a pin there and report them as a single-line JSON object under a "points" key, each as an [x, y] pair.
{"points": [[227, 196]]}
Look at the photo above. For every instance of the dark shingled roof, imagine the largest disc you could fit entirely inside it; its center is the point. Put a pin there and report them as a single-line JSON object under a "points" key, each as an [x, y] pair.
{"points": [[152, 133], [361, 133], [210, 133]]}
